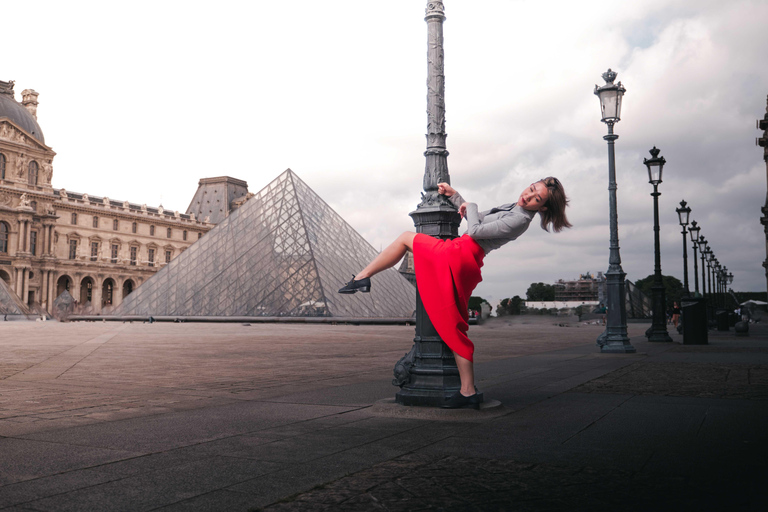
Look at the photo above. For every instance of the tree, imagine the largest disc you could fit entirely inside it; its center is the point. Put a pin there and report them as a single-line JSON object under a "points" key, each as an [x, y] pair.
{"points": [[540, 292], [501, 309], [673, 288], [513, 306], [475, 303]]}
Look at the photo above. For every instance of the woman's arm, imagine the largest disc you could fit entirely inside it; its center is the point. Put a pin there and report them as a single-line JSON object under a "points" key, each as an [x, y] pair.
{"points": [[453, 196], [509, 226]]}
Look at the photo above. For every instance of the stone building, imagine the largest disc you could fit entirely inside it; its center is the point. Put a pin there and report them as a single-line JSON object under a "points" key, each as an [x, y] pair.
{"points": [[586, 288], [97, 248]]}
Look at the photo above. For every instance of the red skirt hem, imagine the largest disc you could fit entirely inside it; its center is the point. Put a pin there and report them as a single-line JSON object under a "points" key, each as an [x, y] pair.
{"points": [[447, 271]]}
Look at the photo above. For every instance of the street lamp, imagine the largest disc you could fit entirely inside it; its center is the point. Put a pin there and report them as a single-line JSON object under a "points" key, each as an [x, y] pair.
{"points": [[614, 339], [715, 271], [694, 231], [683, 214], [710, 262], [703, 245], [658, 330], [432, 375]]}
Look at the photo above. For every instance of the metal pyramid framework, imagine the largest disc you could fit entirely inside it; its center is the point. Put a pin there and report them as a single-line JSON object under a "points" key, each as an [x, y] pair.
{"points": [[10, 304], [284, 252]]}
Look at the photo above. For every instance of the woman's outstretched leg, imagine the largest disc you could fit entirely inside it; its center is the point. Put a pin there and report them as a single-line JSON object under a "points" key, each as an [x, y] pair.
{"points": [[389, 257]]}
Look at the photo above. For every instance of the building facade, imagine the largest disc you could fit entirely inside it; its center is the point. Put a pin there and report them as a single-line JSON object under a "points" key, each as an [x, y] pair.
{"points": [[586, 288], [99, 249]]}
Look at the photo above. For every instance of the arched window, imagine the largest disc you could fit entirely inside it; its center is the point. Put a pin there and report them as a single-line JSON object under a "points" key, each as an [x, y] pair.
{"points": [[184, 235], [168, 234], [4, 237], [95, 221], [151, 230], [32, 175], [134, 227], [2, 166]]}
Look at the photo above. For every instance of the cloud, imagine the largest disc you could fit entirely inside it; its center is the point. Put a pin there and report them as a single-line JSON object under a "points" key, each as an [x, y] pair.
{"points": [[141, 100]]}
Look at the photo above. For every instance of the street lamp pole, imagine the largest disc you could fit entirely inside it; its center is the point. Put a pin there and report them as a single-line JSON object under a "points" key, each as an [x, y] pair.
{"points": [[658, 330], [715, 267], [694, 231], [703, 245], [614, 339], [683, 214], [428, 374], [710, 260]]}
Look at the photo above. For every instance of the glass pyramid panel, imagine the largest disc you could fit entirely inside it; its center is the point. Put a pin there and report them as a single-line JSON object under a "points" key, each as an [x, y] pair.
{"points": [[284, 252], [10, 303]]}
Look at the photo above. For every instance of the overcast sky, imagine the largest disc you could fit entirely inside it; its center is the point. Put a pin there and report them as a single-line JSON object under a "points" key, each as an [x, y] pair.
{"points": [[141, 99]]}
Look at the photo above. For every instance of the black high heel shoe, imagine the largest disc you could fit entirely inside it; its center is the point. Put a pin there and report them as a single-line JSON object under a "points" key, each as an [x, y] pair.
{"points": [[363, 285]]}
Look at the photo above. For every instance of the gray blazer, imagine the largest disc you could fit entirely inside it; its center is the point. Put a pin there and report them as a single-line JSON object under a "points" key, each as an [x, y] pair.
{"points": [[493, 228]]}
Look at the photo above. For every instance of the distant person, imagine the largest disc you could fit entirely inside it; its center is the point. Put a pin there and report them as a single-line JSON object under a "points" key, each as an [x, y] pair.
{"points": [[448, 270], [675, 314]]}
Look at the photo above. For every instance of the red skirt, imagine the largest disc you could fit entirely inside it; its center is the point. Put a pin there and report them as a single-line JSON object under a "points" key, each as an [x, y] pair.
{"points": [[447, 271]]}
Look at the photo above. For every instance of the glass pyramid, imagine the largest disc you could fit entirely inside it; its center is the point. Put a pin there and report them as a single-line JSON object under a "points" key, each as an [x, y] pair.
{"points": [[10, 304], [284, 252]]}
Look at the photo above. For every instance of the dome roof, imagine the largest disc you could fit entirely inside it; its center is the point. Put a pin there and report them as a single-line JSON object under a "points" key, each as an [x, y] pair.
{"points": [[17, 113]]}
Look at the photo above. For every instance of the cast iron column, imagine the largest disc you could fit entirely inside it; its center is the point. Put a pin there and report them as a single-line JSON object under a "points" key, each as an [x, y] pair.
{"points": [[685, 263], [703, 266], [433, 375], [695, 270], [658, 330], [762, 124], [615, 338]]}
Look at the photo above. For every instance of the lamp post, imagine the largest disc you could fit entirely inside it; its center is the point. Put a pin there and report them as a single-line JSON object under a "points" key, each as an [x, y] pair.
{"points": [[715, 270], [708, 254], [658, 330], [710, 260], [724, 284], [703, 245], [614, 339], [683, 214], [694, 231], [694, 305], [431, 374], [723, 272]]}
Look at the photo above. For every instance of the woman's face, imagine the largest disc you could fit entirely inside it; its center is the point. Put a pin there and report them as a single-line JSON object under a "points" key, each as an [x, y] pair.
{"points": [[534, 197]]}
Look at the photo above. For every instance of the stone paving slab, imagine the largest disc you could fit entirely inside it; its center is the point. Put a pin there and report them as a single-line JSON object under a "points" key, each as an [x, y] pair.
{"points": [[100, 416]]}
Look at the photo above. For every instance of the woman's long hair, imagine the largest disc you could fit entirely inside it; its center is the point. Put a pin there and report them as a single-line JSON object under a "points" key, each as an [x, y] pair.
{"points": [[556, 203]]}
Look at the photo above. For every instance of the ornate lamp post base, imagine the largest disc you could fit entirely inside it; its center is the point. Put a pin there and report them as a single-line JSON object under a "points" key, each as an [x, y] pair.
{"points": [[614, 340], [428, 373]]}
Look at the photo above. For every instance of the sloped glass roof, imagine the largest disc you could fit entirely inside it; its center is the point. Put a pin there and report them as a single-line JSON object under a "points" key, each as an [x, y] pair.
{"points": [[284, 252]]}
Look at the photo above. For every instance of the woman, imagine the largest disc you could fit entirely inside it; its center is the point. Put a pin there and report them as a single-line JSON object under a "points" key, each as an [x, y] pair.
{"points": [[447, 271]]}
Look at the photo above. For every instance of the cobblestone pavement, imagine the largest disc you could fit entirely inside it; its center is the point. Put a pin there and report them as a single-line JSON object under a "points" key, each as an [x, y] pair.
{"points": [[414, 482], [705, 380], [177, 417]]}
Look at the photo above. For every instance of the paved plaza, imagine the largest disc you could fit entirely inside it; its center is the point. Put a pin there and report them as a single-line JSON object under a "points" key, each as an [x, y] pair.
{"points": [[233, 417]]}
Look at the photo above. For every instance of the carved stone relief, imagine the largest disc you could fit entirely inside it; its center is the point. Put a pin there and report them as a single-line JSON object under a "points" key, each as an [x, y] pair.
{"points": [[5, 199], [21, 163], [47, 171]]}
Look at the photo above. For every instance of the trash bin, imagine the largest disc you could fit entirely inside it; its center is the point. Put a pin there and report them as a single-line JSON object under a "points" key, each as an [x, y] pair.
{"points": [[694, 311], [721, 316]]}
